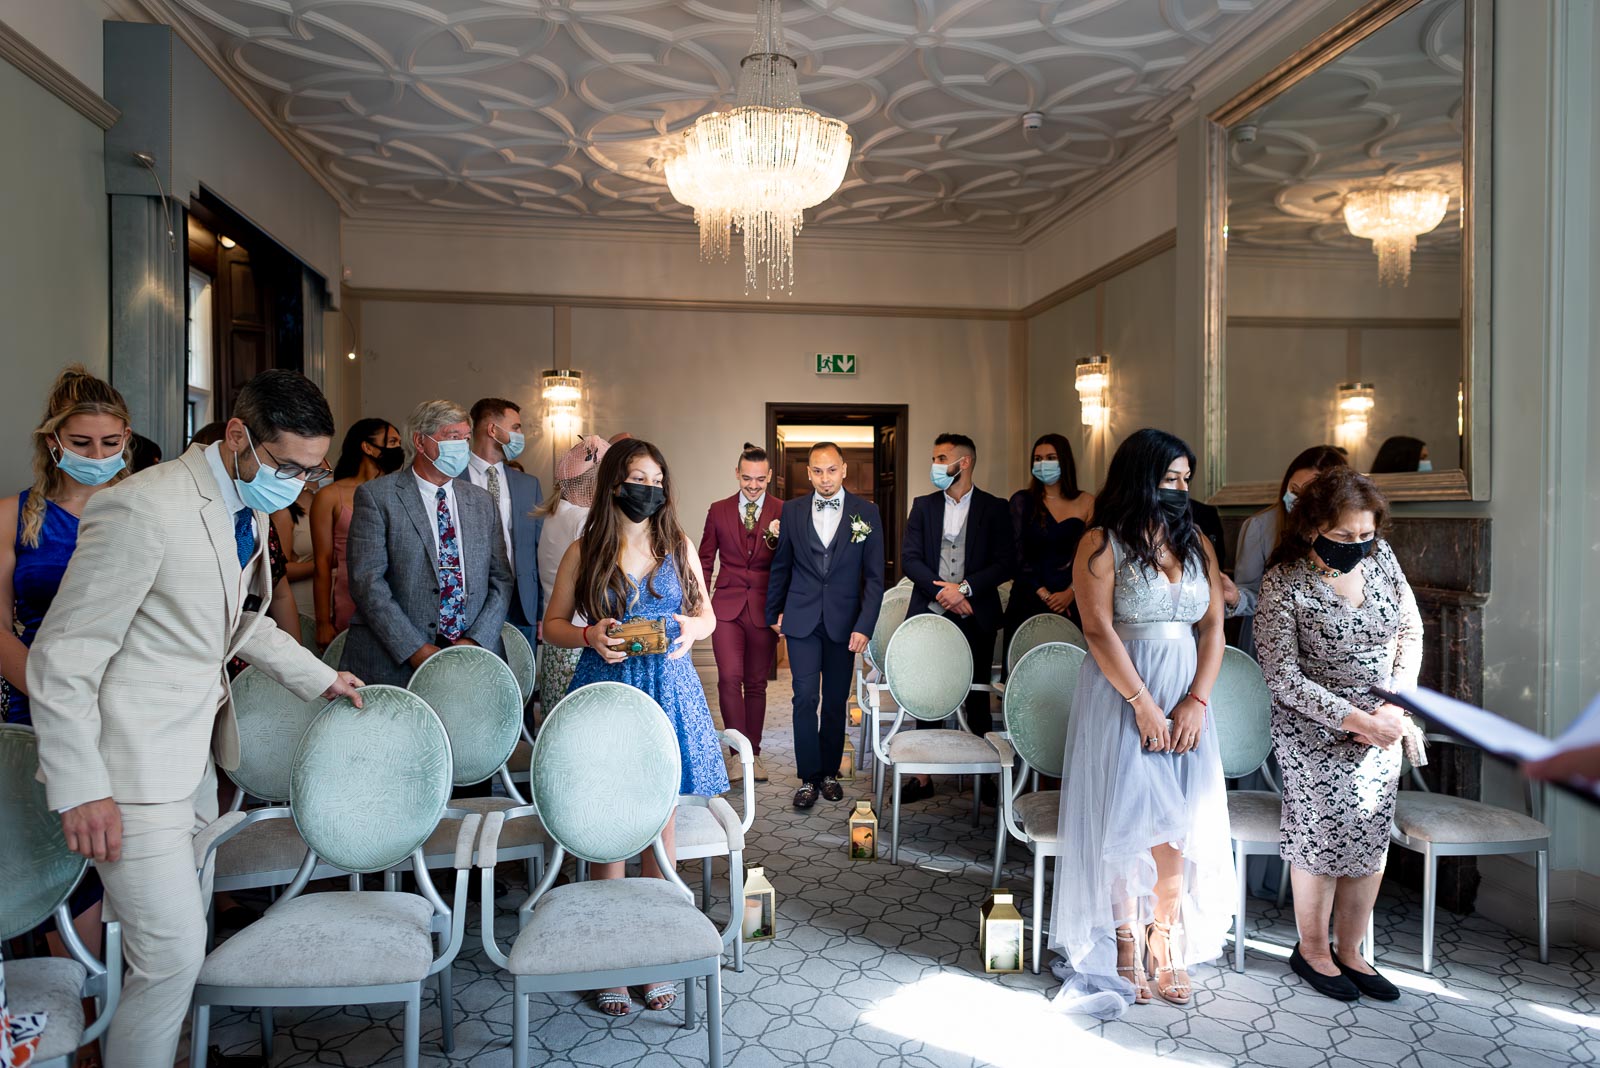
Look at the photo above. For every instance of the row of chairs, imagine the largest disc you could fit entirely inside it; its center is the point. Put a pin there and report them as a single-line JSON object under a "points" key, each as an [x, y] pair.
{"points": [[367, 789]]}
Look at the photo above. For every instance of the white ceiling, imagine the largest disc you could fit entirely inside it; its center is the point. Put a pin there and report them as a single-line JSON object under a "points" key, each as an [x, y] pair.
{"points": [[562, 109], [1390, 108]]}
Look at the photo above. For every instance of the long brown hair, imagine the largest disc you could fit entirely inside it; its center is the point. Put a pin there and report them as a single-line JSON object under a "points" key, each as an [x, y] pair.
{"points": [[1330, 495], [75, 392], [603, 586], [1069, 474], [1318, 458]]}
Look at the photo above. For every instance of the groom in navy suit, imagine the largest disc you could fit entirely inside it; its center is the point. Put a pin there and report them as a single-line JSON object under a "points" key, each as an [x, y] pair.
{"points": [[824, 597]]}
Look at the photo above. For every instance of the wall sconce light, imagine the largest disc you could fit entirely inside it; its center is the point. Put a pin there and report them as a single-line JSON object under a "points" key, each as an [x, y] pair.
{"points": [[1355, 403], [1093, 380], [562, 392]]}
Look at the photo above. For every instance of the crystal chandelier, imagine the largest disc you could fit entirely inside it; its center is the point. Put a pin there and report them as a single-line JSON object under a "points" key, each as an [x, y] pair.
{"points": [[758, 166], [1392, 217]]}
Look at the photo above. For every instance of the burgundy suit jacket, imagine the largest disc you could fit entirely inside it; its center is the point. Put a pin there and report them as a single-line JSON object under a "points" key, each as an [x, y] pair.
{"points": [[746, 561]]}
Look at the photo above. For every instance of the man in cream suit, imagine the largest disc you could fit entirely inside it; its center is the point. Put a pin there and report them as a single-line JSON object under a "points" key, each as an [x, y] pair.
{"points": [[130, 697]]}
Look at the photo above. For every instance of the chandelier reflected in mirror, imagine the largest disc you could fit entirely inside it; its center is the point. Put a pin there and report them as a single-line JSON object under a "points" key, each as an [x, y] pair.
{"points": [[1392, 217], [758, 166]]}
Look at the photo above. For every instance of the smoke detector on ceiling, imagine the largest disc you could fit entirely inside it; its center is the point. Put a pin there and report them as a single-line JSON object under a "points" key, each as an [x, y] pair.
{"points": [[1245, 134], [1032, 120]]}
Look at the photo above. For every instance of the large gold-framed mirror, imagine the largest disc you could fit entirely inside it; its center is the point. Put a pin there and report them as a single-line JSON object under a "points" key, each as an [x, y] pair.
{"points": [[1347, 247]]}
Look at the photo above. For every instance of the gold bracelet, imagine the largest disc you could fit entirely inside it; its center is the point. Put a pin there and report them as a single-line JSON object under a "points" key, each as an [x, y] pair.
{"points": [[1136, 696]]}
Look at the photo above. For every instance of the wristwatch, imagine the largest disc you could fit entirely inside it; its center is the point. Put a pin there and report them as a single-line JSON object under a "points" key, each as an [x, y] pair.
{"points": [[965, 589]]}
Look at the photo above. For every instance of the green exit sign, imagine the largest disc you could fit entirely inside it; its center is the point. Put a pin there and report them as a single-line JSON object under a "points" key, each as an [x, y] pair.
{"points": [[836, 363]]}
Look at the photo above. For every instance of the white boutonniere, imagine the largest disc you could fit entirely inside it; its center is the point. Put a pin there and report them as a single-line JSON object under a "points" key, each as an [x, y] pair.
{"points": [[858, 530]]}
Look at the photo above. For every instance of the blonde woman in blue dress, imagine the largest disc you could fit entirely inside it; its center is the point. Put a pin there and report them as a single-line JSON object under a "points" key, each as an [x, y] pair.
{"points": [[1144, 885]]}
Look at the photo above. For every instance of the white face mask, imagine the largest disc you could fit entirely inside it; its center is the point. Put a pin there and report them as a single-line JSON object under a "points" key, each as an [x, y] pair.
{"points": [[1289, 497]]}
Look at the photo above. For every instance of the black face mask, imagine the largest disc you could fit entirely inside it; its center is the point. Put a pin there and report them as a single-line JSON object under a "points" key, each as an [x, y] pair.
{"points": [[1343, 555], [639, 502], [389, 459], [1174, 503]]}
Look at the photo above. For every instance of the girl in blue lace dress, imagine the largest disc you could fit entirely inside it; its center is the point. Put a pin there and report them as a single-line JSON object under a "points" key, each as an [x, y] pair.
{"points": [[633, 561]]}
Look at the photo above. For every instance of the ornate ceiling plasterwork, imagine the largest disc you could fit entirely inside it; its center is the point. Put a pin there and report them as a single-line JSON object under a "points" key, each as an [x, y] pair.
{"points": [[1389, 110], [563, 109]]}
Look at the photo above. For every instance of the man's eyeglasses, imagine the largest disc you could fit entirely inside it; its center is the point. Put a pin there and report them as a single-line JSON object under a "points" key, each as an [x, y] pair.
{"points": [[286, 469]]}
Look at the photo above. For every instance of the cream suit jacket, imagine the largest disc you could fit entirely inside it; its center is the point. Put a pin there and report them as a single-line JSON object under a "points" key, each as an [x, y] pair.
{"points": [[127, 675]]}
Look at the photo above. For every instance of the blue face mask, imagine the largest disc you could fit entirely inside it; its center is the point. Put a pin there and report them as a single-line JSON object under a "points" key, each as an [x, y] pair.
{"points": [[86, 471], [266, 492], [1047, 471], [1424, 465], [942, 478], [514, 444], [452, 459], [1289, 497]]}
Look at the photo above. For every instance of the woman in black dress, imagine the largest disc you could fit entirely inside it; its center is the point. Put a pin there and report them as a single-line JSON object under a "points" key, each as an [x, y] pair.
{"points": [[1048, 519]]}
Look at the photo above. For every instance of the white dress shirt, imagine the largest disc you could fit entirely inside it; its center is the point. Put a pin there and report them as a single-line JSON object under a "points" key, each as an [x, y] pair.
{"points": [[826, 520], [478, 471], [230, 491], [955, 514], [430, 503]]}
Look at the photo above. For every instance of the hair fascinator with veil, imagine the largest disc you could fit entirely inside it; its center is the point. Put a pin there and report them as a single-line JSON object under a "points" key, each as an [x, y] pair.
{"points": [[579, 468]]}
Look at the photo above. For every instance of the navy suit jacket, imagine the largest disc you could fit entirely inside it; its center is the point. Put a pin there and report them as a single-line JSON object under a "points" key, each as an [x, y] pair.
{"points": [[526, 495], [844, 595], [990, 560]]}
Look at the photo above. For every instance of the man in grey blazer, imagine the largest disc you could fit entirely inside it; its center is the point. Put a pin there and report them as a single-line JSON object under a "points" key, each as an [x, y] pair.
{"points": [[427, 560], [129, 691], [496, 440]]}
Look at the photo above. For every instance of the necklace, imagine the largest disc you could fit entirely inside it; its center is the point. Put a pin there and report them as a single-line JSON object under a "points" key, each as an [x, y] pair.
{"points": [[1325, 572]]}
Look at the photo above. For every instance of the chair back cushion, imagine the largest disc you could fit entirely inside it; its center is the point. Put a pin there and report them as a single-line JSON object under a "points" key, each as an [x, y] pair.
{"points": [[605, 772], [929, 667], [271, 721], [1038, 704], [37, 870], [370, 784], [1242, 710], [334, 651], [895, 602], [519, 654], [475, 695], [1039, 630]]}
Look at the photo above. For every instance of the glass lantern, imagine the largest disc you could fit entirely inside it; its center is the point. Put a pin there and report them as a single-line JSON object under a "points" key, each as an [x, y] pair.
{"points": [[847, 762], [1000, 934], [854, 712], [863, 832], [760, 907]]}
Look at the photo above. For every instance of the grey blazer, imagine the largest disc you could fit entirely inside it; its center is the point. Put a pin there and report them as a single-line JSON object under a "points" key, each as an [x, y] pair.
{"points": [[394, 575]]}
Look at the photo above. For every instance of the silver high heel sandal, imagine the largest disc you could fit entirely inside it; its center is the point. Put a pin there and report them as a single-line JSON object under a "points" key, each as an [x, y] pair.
{"points": [[1134, 972], [1178, 991]]}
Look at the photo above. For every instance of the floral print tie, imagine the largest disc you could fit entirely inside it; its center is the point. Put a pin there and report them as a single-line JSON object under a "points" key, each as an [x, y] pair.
{"points": [[452, 600], [749, 515]]}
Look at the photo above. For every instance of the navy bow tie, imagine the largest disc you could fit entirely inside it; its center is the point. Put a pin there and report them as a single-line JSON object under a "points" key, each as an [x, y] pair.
{"points": [[821, 503]]}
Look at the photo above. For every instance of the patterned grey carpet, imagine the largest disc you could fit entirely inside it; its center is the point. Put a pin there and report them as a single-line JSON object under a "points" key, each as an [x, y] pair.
{"points": [[877, 964]]}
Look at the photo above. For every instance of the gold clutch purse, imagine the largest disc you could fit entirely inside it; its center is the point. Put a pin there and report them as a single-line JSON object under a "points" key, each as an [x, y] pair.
{"points": [[640, 637]]}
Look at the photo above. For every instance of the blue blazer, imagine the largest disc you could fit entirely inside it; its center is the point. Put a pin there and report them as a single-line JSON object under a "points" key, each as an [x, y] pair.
{"points": [[991, 553], [840, 586], [526, 495]]}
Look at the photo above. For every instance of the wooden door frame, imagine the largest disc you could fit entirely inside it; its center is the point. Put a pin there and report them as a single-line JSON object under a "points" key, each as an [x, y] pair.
{"points": [[804, 412]]}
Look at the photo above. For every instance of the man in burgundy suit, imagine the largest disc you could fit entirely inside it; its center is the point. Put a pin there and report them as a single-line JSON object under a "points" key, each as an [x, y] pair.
{"points": [[743, 529]]}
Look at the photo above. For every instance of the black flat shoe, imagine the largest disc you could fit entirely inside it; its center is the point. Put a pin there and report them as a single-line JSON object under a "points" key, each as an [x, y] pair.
{"points": [[806, 796], [915, 790], [215, 1056], [1374, 986], [1334, 986], [831, 790]]}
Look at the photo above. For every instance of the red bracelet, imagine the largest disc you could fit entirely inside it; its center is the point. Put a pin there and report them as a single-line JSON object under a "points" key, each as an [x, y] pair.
{"points": [[586, 634], [1203, 702]]}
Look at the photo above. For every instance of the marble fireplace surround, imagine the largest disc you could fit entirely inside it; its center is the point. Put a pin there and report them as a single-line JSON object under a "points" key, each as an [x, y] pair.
{"points": [[1446, 560]]}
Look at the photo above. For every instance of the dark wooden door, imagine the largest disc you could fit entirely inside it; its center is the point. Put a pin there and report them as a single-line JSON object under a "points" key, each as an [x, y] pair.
{"points": [[886, 472], [245, 339]]}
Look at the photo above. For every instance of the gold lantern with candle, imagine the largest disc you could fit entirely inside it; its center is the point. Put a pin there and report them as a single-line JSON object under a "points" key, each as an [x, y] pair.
{"points": [[1000, 934], [854, 711], [863, 832], [847, 762], [760, 907]]}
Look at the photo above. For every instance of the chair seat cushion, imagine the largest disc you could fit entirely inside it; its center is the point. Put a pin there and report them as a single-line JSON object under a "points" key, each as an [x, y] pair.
{"points": [[1254, 815], [1040, 815], [613, 924], [695, 828], [519, 834], [333, 939], [268, 846], [941, 747], [1447, 820], [521, 758], [51, 985]]}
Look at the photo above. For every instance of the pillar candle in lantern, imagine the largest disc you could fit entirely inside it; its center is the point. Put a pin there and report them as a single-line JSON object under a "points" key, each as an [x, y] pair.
{"points": [[863, 832]]}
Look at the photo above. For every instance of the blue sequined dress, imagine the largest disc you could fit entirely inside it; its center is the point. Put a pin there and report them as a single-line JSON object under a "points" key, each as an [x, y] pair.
{"points": [[674, 684], [35, 580]]}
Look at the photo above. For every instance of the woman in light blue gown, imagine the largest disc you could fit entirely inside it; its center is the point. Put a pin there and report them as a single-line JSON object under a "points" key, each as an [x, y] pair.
{"points": [[1147, 861]]}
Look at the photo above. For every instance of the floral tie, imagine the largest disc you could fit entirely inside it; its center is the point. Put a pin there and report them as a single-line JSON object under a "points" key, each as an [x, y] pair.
{"points": [[452, 602], [749, 515]]}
